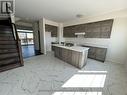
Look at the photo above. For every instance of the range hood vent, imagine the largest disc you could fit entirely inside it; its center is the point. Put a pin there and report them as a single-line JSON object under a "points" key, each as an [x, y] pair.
{"points": [[80, 33]]}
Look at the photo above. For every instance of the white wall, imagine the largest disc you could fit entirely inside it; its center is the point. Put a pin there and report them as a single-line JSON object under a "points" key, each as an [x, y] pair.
{"points": [[126, 63], [116, 14], [24, 23], [116, 44], [48, 41], [49, 22]]}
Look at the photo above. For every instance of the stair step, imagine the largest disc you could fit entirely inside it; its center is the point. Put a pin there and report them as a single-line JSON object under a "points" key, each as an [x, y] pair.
{"points": [[6, 35], [8, 46], [5, 28], [7, 42], [5, 22], [10, 66], [4, 51], [9, 61], [6, 38], [8, 56], [5, 32]]}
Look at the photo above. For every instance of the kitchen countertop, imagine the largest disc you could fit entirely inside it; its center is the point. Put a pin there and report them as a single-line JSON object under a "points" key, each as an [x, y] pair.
{"points": [[74, 48]]}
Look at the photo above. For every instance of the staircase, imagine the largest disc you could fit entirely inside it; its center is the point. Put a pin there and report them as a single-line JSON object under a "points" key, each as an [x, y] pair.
{"points": [[10, 47]]}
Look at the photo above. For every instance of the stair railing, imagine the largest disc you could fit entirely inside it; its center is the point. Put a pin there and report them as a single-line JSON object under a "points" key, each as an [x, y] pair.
{"points": [[15, 34], [18, 41]]}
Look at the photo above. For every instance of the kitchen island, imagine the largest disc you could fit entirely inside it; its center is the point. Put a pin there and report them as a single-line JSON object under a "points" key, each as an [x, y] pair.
{"points": [[74, 55]]}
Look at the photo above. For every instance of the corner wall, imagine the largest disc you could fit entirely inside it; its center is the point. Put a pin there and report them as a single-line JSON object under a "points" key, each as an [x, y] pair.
{"points": [[49, 22], [42, 23]]}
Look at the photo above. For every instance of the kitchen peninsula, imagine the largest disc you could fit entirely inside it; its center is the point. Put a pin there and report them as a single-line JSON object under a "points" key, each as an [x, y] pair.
{"points": [[74, 55]]}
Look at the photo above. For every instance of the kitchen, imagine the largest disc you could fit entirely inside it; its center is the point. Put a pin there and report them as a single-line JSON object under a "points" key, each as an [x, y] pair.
{"points": [[99, 30]]}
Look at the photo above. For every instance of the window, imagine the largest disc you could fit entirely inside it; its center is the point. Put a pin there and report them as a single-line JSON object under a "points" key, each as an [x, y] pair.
{"points": [[26, 37]]}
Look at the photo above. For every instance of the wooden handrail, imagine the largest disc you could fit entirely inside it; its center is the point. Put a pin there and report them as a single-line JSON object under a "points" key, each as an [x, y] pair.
{"points": [[18, 41], [15, 33]]}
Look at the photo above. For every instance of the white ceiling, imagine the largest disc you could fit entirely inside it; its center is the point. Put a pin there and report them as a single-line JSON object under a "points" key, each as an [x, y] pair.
{"points": [[64, 10]]}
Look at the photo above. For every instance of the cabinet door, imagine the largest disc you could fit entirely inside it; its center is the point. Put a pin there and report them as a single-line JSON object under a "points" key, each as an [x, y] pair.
{"points": [[52, 29], [69, 56], [75, 58], [96, 30], [66, 32], [69, 31], [64, 54], [81, 28], [88, 30], [53, 48], [101, 54], [60, 53], [56, 51], [105, 31], [92, 52], [106, 27], [54, 34]]}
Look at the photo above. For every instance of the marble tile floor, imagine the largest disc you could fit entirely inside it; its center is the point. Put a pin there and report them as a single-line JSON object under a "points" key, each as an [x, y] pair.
{"points": [[47, 75]]}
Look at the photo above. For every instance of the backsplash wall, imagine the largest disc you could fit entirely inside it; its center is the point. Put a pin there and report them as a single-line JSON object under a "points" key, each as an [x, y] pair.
{"points": [[89, 41]]}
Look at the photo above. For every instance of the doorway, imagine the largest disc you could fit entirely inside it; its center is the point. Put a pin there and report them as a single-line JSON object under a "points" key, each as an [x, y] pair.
{"points": [[27, 42]]}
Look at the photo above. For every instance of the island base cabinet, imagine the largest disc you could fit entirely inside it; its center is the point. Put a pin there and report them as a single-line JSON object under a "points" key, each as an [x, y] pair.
{"points": [[77, 59]]}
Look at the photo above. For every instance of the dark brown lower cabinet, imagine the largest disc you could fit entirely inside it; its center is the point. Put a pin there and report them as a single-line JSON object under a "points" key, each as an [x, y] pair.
{"points": [[101, 54], [57, 52], [97, 53], [53, 48]]}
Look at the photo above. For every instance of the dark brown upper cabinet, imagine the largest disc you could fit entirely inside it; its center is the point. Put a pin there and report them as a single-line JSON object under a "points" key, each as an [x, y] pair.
{"points": [[69, 31], [100, 29], [52, 29]]}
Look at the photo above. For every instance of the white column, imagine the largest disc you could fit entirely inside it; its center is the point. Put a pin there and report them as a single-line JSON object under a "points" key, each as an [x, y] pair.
{"points": [[42, 35], [36, 35], [60, 32]]}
